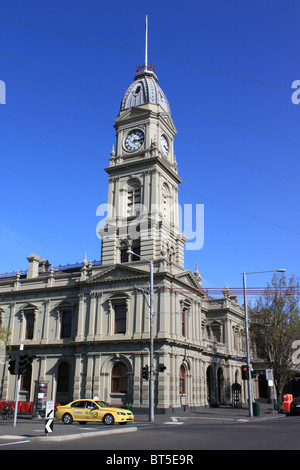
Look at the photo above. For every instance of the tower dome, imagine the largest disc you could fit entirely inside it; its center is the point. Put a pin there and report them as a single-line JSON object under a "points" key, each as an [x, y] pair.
{"points": [[145, 90]]}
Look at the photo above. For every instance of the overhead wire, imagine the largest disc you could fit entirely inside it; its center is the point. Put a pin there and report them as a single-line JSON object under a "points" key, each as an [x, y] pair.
{"points": [[239, 291], [195, 64], [239, 160], [182, 189], [165, 57], [172, 104]]}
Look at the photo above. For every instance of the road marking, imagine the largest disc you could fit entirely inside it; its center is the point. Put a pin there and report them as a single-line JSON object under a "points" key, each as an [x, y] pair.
{"points": [[11, 436], [205, 417], [12, 443], [174, 421]]}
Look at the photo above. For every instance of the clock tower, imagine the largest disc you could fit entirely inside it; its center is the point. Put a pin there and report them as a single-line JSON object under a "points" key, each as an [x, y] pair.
{"points": [[143, 212]]}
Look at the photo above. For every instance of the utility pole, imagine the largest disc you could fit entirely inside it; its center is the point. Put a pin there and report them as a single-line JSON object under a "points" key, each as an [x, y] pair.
{"points": [[151, 368], [18, 383]]}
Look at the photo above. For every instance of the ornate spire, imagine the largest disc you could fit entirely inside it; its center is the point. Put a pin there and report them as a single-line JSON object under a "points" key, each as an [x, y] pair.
{"points": [[85, 262]]}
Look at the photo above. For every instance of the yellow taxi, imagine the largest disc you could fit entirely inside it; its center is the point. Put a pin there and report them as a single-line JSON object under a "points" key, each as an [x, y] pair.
{"points": [[92, 410]]}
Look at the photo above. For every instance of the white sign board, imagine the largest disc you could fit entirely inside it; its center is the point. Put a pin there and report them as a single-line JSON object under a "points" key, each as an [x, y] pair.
{"points": [[49, 417], [269, 377]]}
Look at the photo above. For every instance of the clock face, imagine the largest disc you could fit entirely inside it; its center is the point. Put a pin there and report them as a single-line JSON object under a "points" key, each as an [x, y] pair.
{"points": [[164, 145], [134, 140]]}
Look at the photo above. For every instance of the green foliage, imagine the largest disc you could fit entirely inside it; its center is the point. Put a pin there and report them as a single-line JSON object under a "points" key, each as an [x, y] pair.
{"points": [[4, 336], [275, 327]]}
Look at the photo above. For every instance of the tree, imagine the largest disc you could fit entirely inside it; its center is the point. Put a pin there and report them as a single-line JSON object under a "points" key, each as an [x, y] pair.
{"points": [[275, 329], [4, 336]]}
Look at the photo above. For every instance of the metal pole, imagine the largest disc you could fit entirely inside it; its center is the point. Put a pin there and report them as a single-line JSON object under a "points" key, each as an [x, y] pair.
{"points": [[18, 384], [146, 44], [247, 347], [151, 378], [151, 384]]}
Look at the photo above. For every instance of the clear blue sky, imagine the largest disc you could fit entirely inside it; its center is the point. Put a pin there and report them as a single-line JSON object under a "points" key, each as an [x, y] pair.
{"points": [[233, 131]]}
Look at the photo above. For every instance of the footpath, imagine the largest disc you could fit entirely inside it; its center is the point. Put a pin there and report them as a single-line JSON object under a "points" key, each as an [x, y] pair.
{"points": [[31, 428]]}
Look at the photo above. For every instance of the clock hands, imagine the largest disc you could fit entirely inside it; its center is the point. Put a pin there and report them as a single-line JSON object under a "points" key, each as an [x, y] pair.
{"points": [[134, 140]]}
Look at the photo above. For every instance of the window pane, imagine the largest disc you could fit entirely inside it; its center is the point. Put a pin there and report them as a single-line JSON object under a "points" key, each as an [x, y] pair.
{"points": [[63, 377], [26, 380], [137, 251], [183, 321], [119, 378], [66, 326], [29, 326], [78, 404], [124, 256], [182, 380], [120, 318]]}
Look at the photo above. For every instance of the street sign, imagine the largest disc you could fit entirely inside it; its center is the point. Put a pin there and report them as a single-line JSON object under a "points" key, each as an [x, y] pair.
{"points": [[269, 374], [269, 377], [49, 417]]}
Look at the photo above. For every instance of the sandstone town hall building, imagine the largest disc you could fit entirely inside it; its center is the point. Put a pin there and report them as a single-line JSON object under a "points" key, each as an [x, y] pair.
{"points": [[88, 324]]}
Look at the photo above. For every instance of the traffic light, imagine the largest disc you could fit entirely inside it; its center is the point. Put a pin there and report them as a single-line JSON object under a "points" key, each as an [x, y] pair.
{"points": [[145, 373], [12, 363], [23, 363], [19, 362], [25, 359], [245, 375]]}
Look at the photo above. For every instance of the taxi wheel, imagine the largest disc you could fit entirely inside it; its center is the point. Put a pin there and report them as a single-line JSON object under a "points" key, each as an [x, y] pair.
{"points": [[108, 419], [67, 418]]}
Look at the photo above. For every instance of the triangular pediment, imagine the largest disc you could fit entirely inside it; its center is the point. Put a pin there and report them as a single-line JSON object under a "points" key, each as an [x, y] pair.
{"points": [[188, 278], [167, 120], [118, 272], [132, 113], [29, 306], [64, 305]]}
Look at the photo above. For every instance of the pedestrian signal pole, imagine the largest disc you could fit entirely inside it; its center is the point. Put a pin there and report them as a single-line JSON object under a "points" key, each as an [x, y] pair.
{"points": [[18, 383]]}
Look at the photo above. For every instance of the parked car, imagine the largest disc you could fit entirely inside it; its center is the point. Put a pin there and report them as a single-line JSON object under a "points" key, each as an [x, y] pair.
{"points": [[295, 406], [93, 410]]}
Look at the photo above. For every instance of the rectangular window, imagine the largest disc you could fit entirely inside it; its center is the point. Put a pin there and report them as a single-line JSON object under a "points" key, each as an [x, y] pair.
{"points": [[137, 251], [124, 255], [133, 202], [29, 326], [120, 318], [183, 321], [66, 325]]}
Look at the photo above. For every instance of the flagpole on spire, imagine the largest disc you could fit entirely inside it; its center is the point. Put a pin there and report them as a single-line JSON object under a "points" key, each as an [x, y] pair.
{"points": [[146, 44]]}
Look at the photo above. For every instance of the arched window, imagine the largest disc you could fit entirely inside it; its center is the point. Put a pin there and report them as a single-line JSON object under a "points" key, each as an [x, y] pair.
{"points": [[63, 377], [134, 198], [185, 311], [123, 251], [119, 378], [182, 380]]}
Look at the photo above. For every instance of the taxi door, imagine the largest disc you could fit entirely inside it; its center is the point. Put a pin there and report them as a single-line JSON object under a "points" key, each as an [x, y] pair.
{"points": [[91, 411], [79, 410]]}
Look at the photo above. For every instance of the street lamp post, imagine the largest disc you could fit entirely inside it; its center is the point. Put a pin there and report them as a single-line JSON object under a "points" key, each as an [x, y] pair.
{"points": [[151, 375], [247, 334]]}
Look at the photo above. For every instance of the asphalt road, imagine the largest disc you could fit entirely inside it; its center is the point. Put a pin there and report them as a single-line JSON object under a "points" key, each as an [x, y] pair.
{"points": [[183, 435]]}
